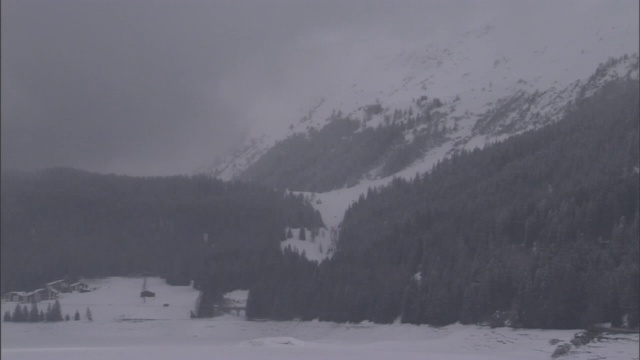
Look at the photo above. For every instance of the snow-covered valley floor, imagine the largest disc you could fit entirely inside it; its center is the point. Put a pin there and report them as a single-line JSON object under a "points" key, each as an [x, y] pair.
{"points": [[118, 331]]}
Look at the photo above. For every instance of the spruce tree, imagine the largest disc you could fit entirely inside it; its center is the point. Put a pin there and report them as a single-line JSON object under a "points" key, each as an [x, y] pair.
{"points": [[302, 234], [56, 312], [48, 314], [7, 316], [34, 314], [89, 315], [17, 314], [76, 317], [205, 304]]}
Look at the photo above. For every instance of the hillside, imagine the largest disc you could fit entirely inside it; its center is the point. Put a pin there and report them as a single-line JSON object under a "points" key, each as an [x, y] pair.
{"points": [[407, 106], [540, 230], [65, 222], [337, 156]]}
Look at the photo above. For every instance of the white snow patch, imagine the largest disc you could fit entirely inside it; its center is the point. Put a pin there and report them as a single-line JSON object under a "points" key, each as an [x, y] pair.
{"points": [[239, 296], [274, 341], [418, 276], [316, 247]]}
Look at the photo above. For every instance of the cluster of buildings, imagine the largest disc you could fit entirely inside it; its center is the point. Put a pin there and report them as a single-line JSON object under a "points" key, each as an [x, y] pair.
{"points": [[50, 292]]}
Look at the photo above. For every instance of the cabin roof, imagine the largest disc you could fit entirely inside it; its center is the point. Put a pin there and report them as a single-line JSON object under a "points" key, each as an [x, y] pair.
{"points": [[55, 282], [41, 289]]}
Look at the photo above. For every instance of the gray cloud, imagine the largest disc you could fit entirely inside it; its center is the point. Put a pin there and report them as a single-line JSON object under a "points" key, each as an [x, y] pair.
{"points": [[143, 87], [165, 86]]}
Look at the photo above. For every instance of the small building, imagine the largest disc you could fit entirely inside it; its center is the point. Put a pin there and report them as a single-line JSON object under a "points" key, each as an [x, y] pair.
{"points": [[59, 286], [16, 296], [41, 294], [79, 287]]}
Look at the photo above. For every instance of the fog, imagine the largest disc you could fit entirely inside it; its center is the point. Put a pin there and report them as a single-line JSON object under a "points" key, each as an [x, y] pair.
{"points": [[157, 87]]}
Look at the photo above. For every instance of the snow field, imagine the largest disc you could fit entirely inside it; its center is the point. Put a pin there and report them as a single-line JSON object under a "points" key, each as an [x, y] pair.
{"points": [[170, 334]]}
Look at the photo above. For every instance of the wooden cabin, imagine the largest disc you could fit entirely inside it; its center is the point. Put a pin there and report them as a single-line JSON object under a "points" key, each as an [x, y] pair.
{"points": [[79, 287], [41, 294], [61, 286], [15, 296]]}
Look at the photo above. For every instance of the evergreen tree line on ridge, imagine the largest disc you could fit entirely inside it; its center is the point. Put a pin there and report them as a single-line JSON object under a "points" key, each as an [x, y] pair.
{"points": [[66, 222]]}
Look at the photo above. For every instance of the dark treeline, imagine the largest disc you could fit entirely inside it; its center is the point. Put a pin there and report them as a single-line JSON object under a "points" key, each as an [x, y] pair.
{"points": [[539, 231], [23, 314], [65, 222]]}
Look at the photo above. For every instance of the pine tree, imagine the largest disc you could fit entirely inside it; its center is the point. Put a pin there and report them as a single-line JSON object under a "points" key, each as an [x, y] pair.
{"points": [[302, 234], [56, 312], [48, 314], [67, 317], [76, 317], [41, 317], [89, 315], [25, 313], [7, 316], [204, 307], [34, 314], [17, 314]]}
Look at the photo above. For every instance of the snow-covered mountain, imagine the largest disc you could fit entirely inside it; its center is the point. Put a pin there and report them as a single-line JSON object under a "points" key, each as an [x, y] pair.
{"points": [[461, 90], [473, 72]]}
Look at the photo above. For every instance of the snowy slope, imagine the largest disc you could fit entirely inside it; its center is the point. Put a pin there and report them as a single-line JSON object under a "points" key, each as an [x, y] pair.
{"points": [[169, 334], [118, 299], [471, 66]]}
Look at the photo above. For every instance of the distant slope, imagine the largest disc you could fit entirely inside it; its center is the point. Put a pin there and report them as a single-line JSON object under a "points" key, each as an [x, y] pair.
{"points": [[494, 77], [350, 149]]}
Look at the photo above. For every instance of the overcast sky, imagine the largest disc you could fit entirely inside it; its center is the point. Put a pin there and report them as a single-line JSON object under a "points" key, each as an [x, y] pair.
{"points": [[157, 86], [154, 87]]}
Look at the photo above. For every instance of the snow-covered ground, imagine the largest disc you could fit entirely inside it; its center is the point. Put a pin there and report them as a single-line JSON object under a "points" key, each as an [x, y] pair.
{"points": [[124, 327]]}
